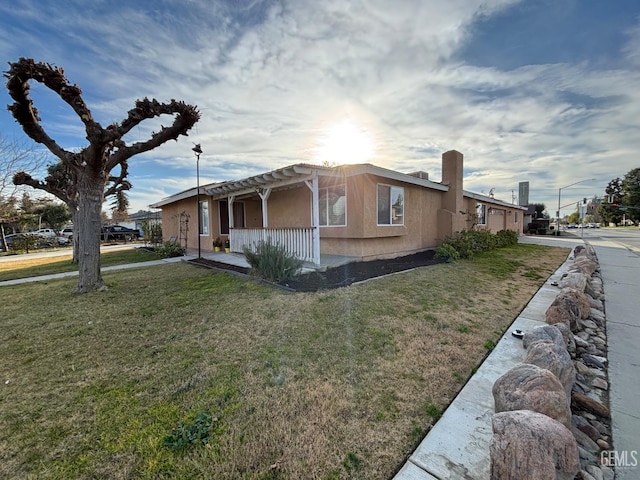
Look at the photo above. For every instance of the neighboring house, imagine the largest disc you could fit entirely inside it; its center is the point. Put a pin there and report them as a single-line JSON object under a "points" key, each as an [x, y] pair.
{"points": [[360, 211], [137, 220]]}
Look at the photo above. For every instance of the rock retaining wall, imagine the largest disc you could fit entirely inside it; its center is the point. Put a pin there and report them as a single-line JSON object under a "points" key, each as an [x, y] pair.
{"points": [[552, 417]]}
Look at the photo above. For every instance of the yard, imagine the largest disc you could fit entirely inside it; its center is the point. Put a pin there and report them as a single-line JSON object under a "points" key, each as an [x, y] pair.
{"points": [[328, 385]]}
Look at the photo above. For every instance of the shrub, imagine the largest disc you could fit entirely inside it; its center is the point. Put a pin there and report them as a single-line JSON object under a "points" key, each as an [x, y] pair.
{"points": [[272, 262], [467, 243], [170, 249], [448, 252], [506, 237]]}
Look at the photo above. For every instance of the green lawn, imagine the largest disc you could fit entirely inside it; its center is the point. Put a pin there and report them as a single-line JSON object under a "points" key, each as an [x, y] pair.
{"points": [[34, 266], [328, 385]]}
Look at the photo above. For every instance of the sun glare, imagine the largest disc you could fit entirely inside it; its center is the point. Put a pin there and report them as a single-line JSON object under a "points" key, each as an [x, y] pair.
{"points": [[343, 143]]}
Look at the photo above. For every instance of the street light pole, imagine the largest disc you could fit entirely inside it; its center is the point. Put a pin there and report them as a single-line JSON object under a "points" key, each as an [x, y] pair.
{"points": [[559, 193], [197, 150]]}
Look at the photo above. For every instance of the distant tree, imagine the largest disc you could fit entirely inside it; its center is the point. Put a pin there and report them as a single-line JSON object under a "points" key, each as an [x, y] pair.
{"points": [[574, 217], [54, 215], [14, 156], [540, 209], [102, 165], [119, 207], [631, 194], [610, 210]]}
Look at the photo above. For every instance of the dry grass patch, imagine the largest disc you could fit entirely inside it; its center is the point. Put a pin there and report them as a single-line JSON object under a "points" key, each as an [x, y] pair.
{"points": [[327, 385]]}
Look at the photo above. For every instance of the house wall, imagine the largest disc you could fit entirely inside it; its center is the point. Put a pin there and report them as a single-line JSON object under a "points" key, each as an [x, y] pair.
{"points": [[364, 238], [499, 217], [290, 208]]}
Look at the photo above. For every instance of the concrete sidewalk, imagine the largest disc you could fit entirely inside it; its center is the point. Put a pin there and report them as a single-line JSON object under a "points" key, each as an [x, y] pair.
{"points": [[457, 447], [620, 268]]}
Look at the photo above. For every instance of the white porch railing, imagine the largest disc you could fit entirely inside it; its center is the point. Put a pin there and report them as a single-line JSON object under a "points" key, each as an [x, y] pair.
{"points": [[297, 241]]}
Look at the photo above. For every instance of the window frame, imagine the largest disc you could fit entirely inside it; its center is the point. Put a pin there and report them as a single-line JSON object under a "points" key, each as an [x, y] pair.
{"points": [[483, 215], [326, 206], [203, 216], [390, 206]]}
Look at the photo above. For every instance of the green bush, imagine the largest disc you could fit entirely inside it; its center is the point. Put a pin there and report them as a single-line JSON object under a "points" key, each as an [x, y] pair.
{"points": [[448, 252], [170, 249], [467, 243], [506, 238], [272, 262]]}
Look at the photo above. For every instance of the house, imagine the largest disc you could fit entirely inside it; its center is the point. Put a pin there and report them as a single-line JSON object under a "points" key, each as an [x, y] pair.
{"points": [[360, 211]]}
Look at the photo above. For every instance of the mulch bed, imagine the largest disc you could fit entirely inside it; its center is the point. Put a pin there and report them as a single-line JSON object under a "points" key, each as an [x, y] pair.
{"points": [[343, 275]]}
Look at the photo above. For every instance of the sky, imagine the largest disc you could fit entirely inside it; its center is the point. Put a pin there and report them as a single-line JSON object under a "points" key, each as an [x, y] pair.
{"points": [[543, 91]]}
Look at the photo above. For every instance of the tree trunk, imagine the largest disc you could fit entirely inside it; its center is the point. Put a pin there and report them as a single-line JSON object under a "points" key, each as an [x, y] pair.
{"points": [[88, 217], [74, 235]]}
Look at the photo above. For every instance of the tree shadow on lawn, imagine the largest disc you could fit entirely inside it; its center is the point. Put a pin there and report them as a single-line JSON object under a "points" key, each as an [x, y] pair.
{"points": [[343, 275]]}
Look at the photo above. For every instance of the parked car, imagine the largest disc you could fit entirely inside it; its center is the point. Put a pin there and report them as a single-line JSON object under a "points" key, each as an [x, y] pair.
{"points": [[119, 232], [66, 232], [45, 232]]}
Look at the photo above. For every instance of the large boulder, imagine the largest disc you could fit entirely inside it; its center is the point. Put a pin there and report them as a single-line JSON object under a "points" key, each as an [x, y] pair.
{"points": [[579, 297], [556, 359], [585, 265], [563, 310], [528, 445], [576, 280], [567, 335], [529, 387], [545, 333]]}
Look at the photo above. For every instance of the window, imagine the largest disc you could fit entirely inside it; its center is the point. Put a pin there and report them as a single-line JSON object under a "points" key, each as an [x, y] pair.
{"points": [[333, 206], [238, 216], [390, 205], [204, 218], [516, 217], [481, 214]]}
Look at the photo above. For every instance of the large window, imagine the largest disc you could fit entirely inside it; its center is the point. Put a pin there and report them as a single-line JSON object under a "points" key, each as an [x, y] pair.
{"points": [[204, 218], [390, 205], [481, 214], [333, 206]]}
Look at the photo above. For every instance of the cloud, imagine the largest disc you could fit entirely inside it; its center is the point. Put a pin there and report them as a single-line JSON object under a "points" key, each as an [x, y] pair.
{"points": [[269, 77]]}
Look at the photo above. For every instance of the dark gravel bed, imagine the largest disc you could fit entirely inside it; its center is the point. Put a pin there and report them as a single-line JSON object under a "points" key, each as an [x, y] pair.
{"points": [[343, 275]]}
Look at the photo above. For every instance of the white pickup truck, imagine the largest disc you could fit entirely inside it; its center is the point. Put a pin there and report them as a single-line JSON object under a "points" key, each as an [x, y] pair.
{"points": [[45, 232]]}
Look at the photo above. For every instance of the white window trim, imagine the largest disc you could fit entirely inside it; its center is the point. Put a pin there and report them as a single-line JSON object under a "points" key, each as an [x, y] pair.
{"points": [[484, 217], [204, 220], [391, 187], [345, 204]]}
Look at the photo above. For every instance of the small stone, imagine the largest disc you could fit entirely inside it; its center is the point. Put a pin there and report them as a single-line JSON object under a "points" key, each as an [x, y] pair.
{"points": [[583, 402], [586, 455], [595, 472], [580, 342], [607, 472], [593, 360], [602, 428], [604, 445], [581, 368], [584, 441], [597, 340], [583, 335], [587, 324], [600, 383], [586, 475]]}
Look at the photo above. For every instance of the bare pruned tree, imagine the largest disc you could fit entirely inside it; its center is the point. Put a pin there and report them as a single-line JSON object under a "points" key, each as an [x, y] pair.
{"points": [[98, 169]]}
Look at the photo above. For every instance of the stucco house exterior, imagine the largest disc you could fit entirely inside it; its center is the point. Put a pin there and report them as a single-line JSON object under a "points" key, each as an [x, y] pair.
{"points": [[360, 211]]}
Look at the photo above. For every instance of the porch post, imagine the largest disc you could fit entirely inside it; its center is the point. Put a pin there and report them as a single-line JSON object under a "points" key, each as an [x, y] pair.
{"points": [[315, 217], [264, 196]]}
